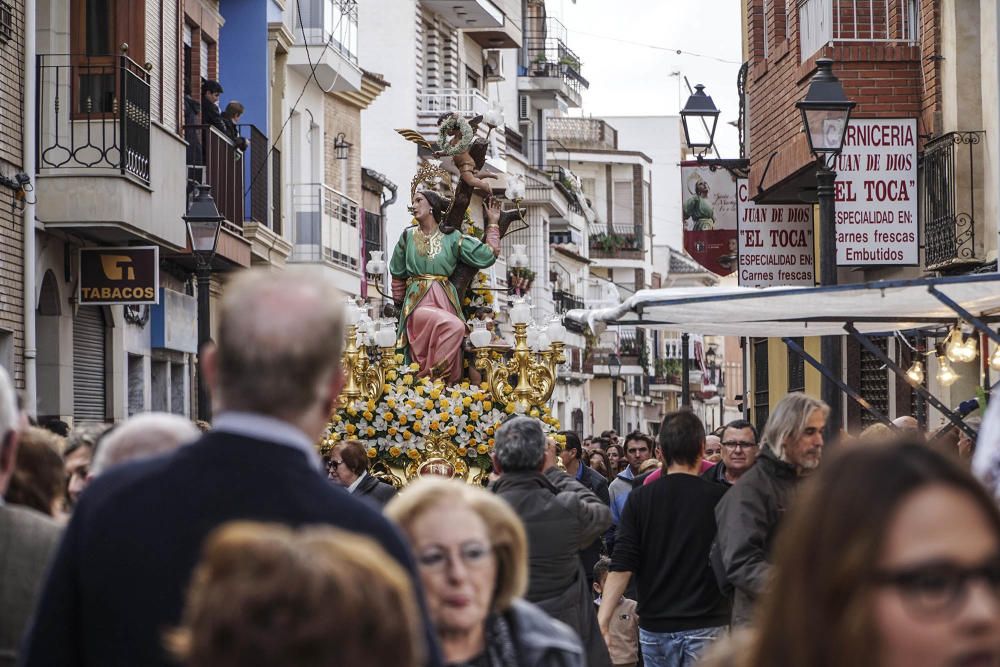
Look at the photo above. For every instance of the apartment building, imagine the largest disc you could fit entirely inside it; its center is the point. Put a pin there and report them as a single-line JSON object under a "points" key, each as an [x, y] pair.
{"points": [[929, 65]]}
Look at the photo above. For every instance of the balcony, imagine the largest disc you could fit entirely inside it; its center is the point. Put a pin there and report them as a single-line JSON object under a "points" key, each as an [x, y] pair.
{"points": [[551, 69], [582, 133], [852, 21], [617, 242], [951, 200], [565, 301], [325, 225], [97, 150], [326, 41], [467, 14]]}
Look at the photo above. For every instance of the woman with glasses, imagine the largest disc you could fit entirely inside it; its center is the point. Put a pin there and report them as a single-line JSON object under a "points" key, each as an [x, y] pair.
{"points": [[347, 465], [471, 554], [890, 558]]}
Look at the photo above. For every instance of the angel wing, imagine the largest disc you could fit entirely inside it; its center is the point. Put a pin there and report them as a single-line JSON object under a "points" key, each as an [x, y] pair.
{"points": [[415, 137]]}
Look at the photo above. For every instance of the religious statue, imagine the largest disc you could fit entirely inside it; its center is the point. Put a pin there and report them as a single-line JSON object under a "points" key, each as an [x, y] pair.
{"points": [[434, 263], [698, 209]]}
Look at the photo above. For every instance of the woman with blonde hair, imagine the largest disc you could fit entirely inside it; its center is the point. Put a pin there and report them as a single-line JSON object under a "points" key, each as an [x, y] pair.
{"points": [[264, 595], [471, 554], [890, 558]]}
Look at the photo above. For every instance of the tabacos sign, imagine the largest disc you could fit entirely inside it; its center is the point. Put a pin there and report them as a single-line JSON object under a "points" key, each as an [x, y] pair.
{"points": [[127, 275]]}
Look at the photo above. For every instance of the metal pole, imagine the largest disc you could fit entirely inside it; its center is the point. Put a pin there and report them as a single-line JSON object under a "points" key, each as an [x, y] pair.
{"points": [[614, 406], [830, 346], [204, 336], [685, 371], [29, 146]]}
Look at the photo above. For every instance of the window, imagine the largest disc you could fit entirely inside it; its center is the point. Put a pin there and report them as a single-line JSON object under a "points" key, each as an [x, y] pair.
{"points": [[796, 369], [6, 22], [99, 28], [761, 393], [622, 210], [472, 79]]}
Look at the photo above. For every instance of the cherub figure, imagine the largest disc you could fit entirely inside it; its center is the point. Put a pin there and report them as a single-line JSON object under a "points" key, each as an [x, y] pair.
{"points": [[457, 138]]}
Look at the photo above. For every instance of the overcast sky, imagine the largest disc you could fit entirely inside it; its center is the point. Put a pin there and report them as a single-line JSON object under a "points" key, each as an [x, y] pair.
{"points": [[632, 79]]}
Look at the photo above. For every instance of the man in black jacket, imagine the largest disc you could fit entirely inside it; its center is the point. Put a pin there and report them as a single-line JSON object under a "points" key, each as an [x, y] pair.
{"points": [[560, 516], [664, 537], [572, 458], [739, 452], [119, 577]]}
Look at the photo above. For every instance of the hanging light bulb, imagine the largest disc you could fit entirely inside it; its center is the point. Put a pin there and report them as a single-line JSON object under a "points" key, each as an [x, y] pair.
{"points": [[960, 350], [946, 375], [995, 359], [916, 372]]}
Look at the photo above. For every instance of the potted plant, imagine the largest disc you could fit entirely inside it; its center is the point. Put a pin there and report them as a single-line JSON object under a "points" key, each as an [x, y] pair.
{"points": [[541, 64]]}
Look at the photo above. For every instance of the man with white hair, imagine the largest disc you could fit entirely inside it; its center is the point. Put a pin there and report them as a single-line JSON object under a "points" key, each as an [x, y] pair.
{"points": [[747, 517], [27, 538], [143, 436], [118, 580]]}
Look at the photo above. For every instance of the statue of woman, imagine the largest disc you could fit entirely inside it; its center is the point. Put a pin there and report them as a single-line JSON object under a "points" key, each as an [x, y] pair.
{"points": [[431, 328]]}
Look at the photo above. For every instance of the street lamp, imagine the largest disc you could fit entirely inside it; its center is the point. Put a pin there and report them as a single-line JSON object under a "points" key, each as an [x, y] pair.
{"points": [[826, 112], [203, 223], [699, 117], [341, 146], [615, 372]]}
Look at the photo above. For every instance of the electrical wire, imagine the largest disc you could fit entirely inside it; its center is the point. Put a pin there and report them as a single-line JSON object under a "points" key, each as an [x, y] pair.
{"points": [[312, 77], [680, 52]]}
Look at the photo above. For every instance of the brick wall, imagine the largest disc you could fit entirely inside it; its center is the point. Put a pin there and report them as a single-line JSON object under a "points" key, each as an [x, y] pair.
{"points": [[11, 221], [886, 80], [339, 116]]}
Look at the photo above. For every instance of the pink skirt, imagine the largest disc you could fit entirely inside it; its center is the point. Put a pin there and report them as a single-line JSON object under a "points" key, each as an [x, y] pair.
{"points": [[436, 334]]}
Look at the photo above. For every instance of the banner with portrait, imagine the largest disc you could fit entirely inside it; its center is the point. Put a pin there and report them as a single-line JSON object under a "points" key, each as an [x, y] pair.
{"points": [[709, 213]]}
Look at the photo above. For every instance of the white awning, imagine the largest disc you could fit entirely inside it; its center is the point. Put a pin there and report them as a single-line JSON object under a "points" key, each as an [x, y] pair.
{"points": [[801, 311]]}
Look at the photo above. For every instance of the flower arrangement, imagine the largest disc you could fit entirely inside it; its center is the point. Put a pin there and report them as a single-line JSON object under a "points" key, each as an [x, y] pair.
{"points": [[478, 296], [413, 408], [449, 125]]}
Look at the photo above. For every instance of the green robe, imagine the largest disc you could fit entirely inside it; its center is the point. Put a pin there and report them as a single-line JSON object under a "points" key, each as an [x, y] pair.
{"points": [[700, 211], [407, 263]]}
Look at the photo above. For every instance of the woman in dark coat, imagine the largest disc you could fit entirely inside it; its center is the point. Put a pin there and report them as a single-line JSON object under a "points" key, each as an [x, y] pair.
{"points": [[348, 466]]}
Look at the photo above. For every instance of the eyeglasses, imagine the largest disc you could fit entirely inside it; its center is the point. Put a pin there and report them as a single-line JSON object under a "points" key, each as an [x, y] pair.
{"points": [[474, 555], [734, 444], [333, 464], [940, 588]]}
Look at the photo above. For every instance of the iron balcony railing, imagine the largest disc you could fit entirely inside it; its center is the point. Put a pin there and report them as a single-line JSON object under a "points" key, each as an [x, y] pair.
{"points": [[566, 301], [325, 226], [546, 54], [948, 174], [216, 160], [256, 172], [276, 189], [92, 112], [329, 23], [468, 102], [825, 21]]}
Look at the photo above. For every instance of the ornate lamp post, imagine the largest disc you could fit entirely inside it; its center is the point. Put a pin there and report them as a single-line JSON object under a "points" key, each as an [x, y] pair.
{"points": [[369, 354], [203, 223], [826, 112], [535, 372]]}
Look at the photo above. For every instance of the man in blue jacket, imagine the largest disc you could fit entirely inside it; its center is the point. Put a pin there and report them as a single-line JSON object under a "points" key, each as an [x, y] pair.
{"points": [[119, 578]]}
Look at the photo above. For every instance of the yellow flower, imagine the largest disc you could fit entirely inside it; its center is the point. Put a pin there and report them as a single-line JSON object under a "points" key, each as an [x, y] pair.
{"points": [[334, 437], [418, 414], [411, 403], [351, 428], [417, 427], [470, 428], [399, 358], [482, 449], [467, 401], [367, 415], [413, 454], [474, 416], [456, 394], [372, 452], [489, 430], [391, 402], [435, 393], [371, 432], [561, 439], [420, 391], [452, 430], [395, 451], [466, 301], [445, 404], [457, 411], [487, 405], [352, 412], [462, 451], [509, 409], [490, 441], [465, 385], [414, 366], [483, 386], [407, 435], [407, 379], [534, 413], [428, 404], [388, 416], [391, 376], [434, 426], [393, 430]]}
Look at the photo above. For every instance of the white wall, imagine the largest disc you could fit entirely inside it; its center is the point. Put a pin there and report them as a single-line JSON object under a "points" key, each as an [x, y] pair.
{"points": [[659, 138]]}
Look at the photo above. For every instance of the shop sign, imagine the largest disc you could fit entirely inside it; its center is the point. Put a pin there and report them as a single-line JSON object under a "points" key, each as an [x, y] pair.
{"points": [[115, 276], [709, 210], [776, 242], [876, 193]]}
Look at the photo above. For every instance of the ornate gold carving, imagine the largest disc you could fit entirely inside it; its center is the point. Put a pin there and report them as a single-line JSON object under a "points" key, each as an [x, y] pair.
{"points": [[439, 457]]}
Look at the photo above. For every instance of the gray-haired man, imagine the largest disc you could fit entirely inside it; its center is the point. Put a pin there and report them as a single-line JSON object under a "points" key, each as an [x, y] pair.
{"points": [[560, 516]]}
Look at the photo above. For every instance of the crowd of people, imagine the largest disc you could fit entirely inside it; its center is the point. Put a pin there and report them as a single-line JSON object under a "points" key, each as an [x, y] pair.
{"points": [[160, 541]]}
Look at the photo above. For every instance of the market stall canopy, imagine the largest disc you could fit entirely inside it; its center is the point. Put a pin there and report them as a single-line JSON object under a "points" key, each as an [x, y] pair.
{"points": [[802, 311]]}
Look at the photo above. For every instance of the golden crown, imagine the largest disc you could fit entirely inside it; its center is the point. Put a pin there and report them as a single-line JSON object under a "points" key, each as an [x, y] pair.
{"points": [[430, 175]]}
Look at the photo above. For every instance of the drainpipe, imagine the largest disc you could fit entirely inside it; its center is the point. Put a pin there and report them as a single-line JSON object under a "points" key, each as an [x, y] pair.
{"points": [[28, 164], [391, 187]]}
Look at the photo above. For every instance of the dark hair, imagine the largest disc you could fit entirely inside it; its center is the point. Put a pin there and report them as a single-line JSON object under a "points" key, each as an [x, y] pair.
{"points": [[638, 435], [605, 461], [211, 86], [601, 569], [39, 477], [439, 205], [818, 608], [608, 433], [234, 108], [682, 438], [573, 442], [603, 443], [57, 426], [354, 456], [740, 424]]}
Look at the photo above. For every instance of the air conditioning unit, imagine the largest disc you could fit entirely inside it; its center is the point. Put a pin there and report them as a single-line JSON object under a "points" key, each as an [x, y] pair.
{"points": [[523, 108], [493, 65]]}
